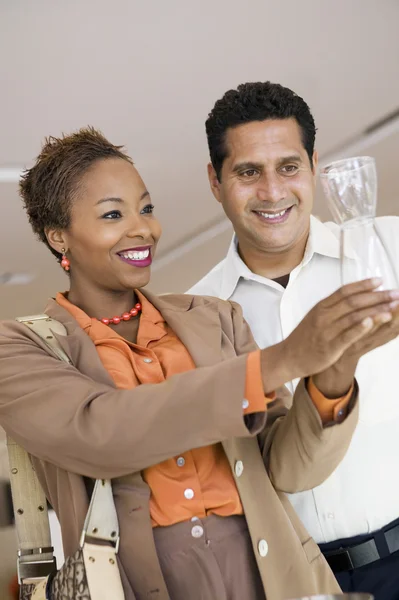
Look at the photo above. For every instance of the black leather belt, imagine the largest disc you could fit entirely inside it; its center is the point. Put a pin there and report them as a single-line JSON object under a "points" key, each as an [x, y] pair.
{"points": [[353, 557]]}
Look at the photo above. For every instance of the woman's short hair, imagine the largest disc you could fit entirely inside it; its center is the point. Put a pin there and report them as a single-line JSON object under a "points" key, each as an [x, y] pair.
{"points": [[50, 186]]}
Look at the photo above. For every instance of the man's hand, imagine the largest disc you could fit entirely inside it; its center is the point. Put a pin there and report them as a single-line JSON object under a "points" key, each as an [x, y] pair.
{"points": [[337, 379], [339, 323]]}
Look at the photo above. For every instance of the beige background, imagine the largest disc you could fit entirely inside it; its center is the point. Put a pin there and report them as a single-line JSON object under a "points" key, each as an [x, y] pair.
{"points": [[147, 74]]}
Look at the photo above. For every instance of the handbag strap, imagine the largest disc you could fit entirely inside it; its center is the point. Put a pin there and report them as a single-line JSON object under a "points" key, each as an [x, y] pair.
{"points": [[35, 554]]}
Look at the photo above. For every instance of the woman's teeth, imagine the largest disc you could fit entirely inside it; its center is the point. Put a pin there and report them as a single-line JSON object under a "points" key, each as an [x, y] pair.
{"points": [[273, 215], [131, 255]]}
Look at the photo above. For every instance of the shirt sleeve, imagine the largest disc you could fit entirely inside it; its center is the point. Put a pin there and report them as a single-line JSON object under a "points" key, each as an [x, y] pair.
{"points": [[255, 399], [330, 410]]}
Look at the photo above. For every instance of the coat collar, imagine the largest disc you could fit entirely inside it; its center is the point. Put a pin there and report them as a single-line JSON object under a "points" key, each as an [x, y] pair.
{"points": [[194, 319]]}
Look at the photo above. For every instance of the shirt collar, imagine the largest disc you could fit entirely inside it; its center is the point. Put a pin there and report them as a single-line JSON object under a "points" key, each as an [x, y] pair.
{"points": [[321, 241], [78, 314], [233, 269]]}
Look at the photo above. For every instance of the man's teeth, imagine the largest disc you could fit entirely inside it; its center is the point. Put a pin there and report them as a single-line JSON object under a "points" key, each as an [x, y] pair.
{"points": [[136, 255], [273, 215]]}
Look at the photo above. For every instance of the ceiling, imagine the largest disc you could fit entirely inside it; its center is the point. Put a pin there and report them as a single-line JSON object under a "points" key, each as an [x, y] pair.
{"points": [[148, 73]]}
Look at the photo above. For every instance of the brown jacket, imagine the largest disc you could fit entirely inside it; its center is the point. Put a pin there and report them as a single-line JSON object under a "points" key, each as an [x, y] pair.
{"points": [[75, 423]]}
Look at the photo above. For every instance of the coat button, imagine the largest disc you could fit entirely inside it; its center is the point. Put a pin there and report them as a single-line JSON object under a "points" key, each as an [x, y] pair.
{"points": [[245, 403], [180, 461], [263, 548], [238, 468], [189, 494], [197, 531], [147, 360]]}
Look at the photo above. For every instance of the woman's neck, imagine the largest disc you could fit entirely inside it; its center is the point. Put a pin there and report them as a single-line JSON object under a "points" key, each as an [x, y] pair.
{"points": [[102, 304]]}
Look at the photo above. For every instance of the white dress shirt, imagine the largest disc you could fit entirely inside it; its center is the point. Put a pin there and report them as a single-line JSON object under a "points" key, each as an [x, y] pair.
{"points": [[362, 495]]}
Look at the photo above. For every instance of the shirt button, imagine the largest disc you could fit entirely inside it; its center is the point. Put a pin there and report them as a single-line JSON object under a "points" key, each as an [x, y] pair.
{"points": [[263, 548], [238, 468], [245, 404], [180, 461], [147, 360], [331, 516], [189, 494], [197, 531]]}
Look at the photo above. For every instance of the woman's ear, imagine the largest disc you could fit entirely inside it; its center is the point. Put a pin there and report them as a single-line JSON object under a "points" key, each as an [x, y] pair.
{"points": [[57, 239]]}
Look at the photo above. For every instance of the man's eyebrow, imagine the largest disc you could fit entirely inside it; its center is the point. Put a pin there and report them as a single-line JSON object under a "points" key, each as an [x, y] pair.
{"points": [[247, 165], [291, 158]]}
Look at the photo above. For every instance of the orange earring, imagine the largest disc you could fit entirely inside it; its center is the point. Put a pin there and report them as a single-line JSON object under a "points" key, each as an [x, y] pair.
{"points": [[65, 264]]}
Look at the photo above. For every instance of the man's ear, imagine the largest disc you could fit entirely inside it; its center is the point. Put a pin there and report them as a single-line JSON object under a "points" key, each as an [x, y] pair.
{"points": [[315, 158], [214, 182]]}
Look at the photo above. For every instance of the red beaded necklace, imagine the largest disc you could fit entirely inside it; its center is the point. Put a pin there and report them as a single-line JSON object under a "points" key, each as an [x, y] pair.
{"points": [[125, 317]]}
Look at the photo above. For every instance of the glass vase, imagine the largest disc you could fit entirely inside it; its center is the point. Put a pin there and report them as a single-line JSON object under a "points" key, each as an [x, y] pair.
{"points": [[350, 187]]}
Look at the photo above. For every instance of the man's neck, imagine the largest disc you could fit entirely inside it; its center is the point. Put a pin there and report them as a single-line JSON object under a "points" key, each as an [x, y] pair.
{"points": [[273, 265]]}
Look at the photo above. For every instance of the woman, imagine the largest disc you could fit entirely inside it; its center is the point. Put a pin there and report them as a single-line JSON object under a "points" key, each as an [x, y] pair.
{"points": [[187, 449]]}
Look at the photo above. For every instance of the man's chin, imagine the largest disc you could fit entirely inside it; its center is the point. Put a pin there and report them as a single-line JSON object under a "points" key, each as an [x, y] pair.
{"points": [[275, 242], [281, 238]]}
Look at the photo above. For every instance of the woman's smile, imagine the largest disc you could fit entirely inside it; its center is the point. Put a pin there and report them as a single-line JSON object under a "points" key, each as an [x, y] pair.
{"points": [[137, 257]]}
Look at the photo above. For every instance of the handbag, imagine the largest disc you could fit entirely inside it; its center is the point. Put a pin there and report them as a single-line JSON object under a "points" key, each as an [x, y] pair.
{"points": [[93, 572]]}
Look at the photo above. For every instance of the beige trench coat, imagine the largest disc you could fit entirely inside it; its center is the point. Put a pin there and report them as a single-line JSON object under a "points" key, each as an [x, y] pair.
{"points": [[76, 424]]}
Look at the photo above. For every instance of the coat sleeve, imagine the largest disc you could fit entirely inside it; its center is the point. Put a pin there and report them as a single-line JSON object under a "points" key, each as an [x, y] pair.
{"points": [[298, 451], [62, 416]]}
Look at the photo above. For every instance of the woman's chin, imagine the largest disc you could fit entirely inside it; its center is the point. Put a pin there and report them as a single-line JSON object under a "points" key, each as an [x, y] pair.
{"points": [[139, 280]]}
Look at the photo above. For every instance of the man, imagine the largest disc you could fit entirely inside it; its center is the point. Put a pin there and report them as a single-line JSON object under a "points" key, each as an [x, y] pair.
{"points": [[281, 262]]}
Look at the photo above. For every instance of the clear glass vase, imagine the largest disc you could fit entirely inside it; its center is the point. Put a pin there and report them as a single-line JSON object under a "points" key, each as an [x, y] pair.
{"points": [[350, 187]]}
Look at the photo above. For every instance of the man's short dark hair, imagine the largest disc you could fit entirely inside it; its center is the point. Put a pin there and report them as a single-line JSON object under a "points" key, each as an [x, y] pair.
{"points": [[256, 102]]}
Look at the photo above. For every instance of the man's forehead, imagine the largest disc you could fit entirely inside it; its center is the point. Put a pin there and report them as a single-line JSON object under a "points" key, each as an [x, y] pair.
{"points": [[260, 154], [271, 138]]}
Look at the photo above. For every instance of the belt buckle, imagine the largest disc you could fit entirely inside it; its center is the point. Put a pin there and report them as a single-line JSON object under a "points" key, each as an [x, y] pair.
{"points": [[35, 569], [341, 554], [347, 554]]}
